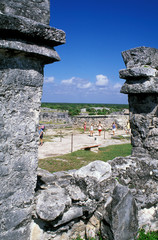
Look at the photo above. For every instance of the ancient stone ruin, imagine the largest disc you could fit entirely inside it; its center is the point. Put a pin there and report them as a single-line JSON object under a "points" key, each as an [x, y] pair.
{"points": [[142, 88], [26, 44], [116, 198], [112, 199]]}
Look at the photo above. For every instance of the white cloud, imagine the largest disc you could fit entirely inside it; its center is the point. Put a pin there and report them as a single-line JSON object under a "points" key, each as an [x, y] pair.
{"points": [[117, 85], [86, 85], [49, 79], [68, 81], [101, 80]]}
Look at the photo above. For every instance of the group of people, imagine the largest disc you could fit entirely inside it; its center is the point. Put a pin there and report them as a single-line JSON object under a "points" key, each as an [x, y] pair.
{"points": [[99, 126], [92, 128]]}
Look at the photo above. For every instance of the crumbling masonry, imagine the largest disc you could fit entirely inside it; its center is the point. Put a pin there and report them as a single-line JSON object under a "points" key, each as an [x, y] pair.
{"points": [[142, 88], [26, 44]]}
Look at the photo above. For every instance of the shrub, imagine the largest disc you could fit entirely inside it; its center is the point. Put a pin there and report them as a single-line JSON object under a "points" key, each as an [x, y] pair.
{"points": [[148, 235]]}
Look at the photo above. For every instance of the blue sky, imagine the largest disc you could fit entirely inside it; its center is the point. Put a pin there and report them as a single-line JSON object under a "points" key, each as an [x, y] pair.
{"points": [[97, 31]]}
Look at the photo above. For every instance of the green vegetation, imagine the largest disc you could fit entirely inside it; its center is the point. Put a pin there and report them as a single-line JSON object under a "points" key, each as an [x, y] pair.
{"points": [[142, 236], [80, 158], [148, 235], [75, 108]]}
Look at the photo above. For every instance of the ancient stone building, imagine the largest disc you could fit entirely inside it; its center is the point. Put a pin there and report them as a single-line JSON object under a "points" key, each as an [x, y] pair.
{"points": [[142, 88], [102, 197], [26, 45]]}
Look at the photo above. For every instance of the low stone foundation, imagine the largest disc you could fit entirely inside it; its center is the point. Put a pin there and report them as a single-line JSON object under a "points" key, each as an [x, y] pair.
{"points": [[109, 199]]}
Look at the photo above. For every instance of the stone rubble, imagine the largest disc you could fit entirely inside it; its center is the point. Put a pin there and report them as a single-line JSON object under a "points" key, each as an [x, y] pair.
{"points": [[108, 198]]}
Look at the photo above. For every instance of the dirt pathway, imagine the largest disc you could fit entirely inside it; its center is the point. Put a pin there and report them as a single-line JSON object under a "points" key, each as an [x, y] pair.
{"points": [[73, 141]]}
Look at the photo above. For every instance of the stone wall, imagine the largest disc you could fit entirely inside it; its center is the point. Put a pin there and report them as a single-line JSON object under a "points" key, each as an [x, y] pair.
{"points": [[142, 88], [112, 199], [26, 44], [52, 118], [106, 120], [36, 10]]}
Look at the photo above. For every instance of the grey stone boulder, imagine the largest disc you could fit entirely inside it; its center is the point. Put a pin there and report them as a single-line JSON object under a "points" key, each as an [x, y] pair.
{"points": [[52, 203], [75, 193], [46, 179], [124, 214], [36, 10], [141, 56], [72, 213], [97, 170], [139, 174], [140, 86], [138, 72], [148, 218]]}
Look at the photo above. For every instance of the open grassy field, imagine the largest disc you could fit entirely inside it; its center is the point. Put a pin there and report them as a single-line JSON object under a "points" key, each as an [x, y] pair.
{"points": [[80, 158]]}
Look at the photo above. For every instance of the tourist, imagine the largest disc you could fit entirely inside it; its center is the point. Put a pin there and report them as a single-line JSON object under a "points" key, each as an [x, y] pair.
{"points": [[99, 128], [113, 128], [128, 127], [40, 135], [91, 130], [84, 126]]}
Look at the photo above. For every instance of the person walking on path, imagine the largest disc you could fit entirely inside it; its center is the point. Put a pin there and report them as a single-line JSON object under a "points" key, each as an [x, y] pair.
{"points": [[84, 126], [99, 128], [91, 130], [40, 135], [113, 128], [128, 127]]}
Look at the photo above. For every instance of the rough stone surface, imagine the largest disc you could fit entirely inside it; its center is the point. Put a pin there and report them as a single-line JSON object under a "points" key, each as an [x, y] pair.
{"points": [[37, 10], [138, 72], [115, 207], [20, 93], [28, 30], [142, 88], [141, 56], [123, 215], [26, 44], [102, 198], [52, 203]]}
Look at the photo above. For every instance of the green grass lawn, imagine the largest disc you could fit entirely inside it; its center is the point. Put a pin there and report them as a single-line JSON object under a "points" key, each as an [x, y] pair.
{"points": [[80, 158]]}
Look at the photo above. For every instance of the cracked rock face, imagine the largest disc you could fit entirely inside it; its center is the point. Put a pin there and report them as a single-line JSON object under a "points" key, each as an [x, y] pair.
{"points": [[26, 45], [139, 56], [114, 207], [91, 196], [142, 88], [37, 10]]}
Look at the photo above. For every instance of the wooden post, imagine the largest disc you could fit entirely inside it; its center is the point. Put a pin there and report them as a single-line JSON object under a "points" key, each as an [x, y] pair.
{"points": [[60, 136], [72, 142]]}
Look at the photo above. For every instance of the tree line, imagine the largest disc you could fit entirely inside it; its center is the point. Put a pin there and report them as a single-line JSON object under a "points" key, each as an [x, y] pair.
{"points": [[91, 108]]}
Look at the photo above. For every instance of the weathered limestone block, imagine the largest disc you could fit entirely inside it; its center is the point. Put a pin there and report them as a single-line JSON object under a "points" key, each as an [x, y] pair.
{"points": [[37, 10], [57, 201], [141, 56], [140, 175], [142, 88], [124, 214], [26, 44], [93, 228], [92, 213], [138, 72], [98, 170], [148, 217]]}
